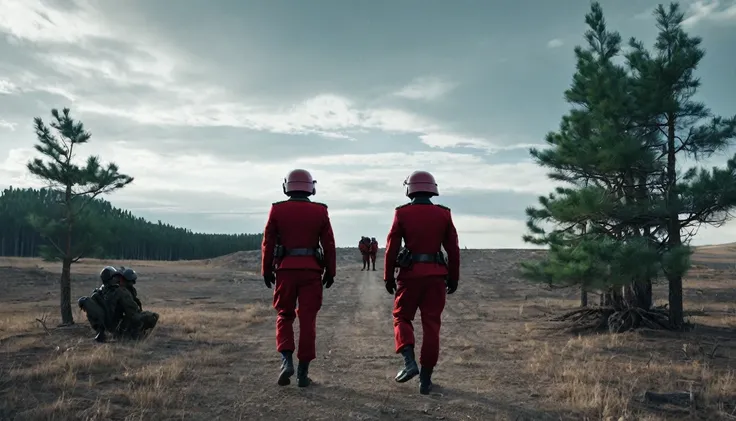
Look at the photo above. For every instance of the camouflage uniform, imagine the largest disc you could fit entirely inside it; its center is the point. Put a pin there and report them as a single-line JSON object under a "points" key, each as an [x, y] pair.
{"points": [[146, 319], [95, 306], [115, 309], [95, 309], [130, 277], [128, 319]]}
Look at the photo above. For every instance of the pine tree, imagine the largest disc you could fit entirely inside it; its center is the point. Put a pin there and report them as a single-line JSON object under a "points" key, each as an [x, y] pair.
{"points": [[80, 185], [612, 154], [664, 85]]}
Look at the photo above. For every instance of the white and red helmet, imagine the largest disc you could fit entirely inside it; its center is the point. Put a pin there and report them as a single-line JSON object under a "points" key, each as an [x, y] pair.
{"points": [[299, 181]]}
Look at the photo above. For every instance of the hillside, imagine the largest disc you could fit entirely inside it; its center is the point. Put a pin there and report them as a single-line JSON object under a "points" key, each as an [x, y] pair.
{"points": [[716, 256], [212, 356]]}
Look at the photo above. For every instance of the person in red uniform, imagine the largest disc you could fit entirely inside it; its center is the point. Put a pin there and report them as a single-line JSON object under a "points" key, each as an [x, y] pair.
{"points": [[373, 251], [293, 260], [364, 247], [425, 276]]}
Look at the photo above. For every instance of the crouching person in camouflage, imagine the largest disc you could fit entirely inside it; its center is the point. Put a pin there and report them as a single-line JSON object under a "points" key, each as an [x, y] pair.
{"points": [[113, 308], [95, 306], [148, 319]]}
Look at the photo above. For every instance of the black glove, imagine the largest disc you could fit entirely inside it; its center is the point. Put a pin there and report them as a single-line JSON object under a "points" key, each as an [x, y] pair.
{"points": [[327, 280], [451, 286], [269, 279], [390, 286]]}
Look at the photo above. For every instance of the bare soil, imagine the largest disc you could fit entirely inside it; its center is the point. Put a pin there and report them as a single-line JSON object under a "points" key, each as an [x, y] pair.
{"points": [[213, 355]]}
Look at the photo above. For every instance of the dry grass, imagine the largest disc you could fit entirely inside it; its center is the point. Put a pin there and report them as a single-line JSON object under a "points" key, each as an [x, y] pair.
{"points": [[64, 376], [212, 355], [606, 376]]}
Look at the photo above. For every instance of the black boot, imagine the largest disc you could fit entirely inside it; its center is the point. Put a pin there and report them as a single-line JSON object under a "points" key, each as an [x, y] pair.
{"points": [[287, 368], [302, 374], [100, 337], [374, 266], [410, 369], [425, 380]]}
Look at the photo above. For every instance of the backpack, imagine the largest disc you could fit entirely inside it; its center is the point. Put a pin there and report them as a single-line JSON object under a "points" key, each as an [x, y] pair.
{"points": [[113, 315]]}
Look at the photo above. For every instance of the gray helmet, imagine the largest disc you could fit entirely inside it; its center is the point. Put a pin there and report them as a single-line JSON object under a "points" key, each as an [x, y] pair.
{"points": [[107, 273], [130, 275]]}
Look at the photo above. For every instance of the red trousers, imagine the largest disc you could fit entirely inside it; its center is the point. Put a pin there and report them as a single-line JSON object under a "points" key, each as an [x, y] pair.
{"points": [[428, 295], [304, 286], [365, 258]]}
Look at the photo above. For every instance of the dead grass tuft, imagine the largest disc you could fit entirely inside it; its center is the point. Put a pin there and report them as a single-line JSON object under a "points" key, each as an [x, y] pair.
{"points": [[13, 324], [593, 375]]}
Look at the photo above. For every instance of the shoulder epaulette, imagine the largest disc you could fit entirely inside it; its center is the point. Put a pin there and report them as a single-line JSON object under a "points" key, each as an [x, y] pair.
{"points": [[403, 206], [443, 207], [320, 203], [278, 203]]}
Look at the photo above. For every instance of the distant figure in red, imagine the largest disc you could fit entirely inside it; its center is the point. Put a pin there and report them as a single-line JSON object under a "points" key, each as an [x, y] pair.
{"points": [[365, 248], [373, 251], [293, 259], [425, 276]]}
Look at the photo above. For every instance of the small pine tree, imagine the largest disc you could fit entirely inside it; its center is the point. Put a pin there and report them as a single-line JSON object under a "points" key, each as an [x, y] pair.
{"points": [[73, 233], [664, 84], [616, 154]]}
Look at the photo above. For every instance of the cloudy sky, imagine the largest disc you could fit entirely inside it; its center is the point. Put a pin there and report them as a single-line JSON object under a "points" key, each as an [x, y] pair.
{"points": [[208, 104]]}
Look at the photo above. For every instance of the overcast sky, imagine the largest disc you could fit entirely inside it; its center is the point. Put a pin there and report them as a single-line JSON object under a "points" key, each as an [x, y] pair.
{"points": [[208, 104]]}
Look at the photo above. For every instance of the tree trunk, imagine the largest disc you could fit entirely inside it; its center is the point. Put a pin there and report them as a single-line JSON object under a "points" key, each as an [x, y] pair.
{"points": [[638, 295], [66, 292], [644, 294], [614, 298], [66, 266], [673, 227], [583, 297]]}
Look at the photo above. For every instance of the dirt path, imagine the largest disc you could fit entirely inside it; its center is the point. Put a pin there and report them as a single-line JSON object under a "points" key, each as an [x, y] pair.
{"points": [[356, 363]]}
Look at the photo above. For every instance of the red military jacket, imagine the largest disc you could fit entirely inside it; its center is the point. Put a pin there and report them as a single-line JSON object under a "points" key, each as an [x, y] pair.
{"points": [[424, 227], [374, 247], [362, 247], [298, 223]]}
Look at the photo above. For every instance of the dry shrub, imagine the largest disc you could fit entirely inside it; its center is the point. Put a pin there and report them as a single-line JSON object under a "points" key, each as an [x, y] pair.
{"points": [[14, 324], [153, 387], [64, 370], [212, 322], [592, 375]]}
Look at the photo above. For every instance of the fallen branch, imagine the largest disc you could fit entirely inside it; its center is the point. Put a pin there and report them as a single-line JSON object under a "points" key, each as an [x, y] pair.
{"points": [[712, 353], [42, 322], [614, 320], [674, 398]]}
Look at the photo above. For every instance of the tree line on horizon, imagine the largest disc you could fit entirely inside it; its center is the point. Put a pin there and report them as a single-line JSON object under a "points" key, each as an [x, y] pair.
{"points": [[627, 207], [120, 235], [69, 221]]}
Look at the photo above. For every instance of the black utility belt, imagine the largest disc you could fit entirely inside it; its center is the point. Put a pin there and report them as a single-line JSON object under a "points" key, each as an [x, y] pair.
{"points": [[300, 252], [406, 258], [281, 251], [426, 258]]}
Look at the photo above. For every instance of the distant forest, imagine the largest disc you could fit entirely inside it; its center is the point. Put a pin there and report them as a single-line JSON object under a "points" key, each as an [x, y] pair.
{"points": [[121, 234]]}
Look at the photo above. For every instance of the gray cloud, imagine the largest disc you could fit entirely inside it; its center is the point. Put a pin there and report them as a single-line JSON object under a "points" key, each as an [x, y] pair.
{"points": [[509, 205], [211, 213], [209, 106]]}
